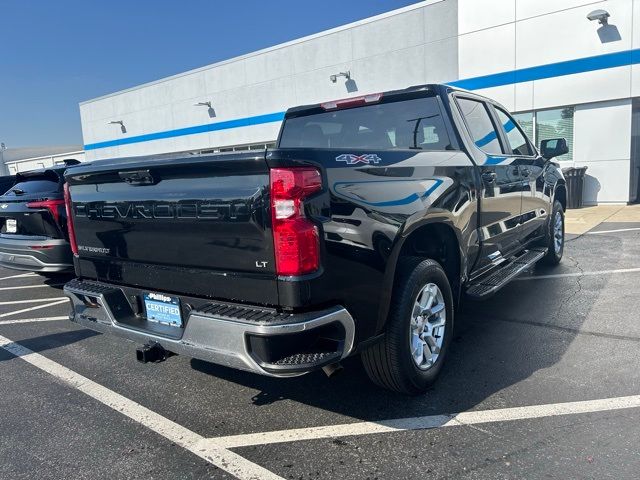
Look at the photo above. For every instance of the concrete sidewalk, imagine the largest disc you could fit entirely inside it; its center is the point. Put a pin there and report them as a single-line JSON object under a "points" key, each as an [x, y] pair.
{"points": [[581, 220]]}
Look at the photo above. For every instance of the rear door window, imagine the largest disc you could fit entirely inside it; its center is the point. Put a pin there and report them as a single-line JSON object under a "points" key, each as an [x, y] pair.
{"points": [[415, 124], [481, 127]]}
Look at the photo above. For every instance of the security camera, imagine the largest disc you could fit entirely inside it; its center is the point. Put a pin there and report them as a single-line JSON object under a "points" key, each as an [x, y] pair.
{"points": [[333, 78], [600, 15]]}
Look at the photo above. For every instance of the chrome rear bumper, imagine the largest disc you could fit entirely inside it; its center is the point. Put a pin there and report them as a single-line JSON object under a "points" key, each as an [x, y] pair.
{"points": [[221, 333]]}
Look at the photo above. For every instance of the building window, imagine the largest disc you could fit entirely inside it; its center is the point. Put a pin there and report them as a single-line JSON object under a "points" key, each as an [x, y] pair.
{"points": [[545, 124], [236, 148], [554, 124]]}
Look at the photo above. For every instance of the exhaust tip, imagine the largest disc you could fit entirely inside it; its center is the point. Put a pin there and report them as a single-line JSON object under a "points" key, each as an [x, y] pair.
{"points": [[332, 369]]}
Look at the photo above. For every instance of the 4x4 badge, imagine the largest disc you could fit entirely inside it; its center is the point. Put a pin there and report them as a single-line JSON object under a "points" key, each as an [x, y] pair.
{"points": [[3, 206], [351, 159]]}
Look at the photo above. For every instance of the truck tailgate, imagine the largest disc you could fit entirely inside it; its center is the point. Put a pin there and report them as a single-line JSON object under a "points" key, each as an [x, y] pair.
{"points": [[192, 225]]}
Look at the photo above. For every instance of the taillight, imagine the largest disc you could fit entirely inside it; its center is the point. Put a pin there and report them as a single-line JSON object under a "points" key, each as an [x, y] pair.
{"points": [[295, 237], [70, 228], [51, 205]]}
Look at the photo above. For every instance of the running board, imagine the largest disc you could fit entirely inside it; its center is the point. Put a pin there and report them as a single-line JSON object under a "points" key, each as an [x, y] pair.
{"points": [[493, 282]]}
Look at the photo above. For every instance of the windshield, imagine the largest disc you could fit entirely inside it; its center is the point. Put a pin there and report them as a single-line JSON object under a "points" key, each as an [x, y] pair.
{"points": [[409, 124]]}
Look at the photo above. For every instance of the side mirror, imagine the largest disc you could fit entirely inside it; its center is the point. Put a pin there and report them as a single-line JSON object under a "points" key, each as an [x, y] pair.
{"points": [[554, 147]]}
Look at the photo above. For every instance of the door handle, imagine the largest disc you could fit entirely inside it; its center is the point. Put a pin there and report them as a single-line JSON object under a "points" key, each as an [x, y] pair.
{"points": [[489, 177]]}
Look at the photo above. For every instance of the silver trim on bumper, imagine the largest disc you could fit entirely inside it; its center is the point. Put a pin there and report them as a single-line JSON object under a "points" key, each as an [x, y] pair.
{"points": [[40, 254], [31, 263], [205, 337]]}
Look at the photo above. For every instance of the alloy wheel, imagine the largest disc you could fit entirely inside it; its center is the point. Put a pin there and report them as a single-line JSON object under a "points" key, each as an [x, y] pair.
{"points": [[558, 233], [428, 321]]}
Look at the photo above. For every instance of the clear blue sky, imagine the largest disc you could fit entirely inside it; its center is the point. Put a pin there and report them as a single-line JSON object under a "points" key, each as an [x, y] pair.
{"points": [[55, 54]]}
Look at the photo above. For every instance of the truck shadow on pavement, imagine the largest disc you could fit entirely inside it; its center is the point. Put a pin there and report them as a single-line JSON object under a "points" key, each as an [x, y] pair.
{"points": [[487, 355], [54, 340], [58, 280], [498, 343]]}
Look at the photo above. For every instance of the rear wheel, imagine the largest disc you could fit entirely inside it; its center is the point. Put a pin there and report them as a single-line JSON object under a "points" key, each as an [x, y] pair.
{"points": [[555, 236], [419, 328]]}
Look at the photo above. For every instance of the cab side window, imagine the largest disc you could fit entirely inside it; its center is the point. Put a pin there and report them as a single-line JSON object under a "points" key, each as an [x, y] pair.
{"points": [[517, 140], [481, 127]]}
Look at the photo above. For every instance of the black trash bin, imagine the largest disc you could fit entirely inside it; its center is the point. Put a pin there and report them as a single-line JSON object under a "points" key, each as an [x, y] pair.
{"points": [[575, 185]]}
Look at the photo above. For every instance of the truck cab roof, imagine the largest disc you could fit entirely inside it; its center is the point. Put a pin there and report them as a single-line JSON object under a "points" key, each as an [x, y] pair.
{"points": [[390, 95]]}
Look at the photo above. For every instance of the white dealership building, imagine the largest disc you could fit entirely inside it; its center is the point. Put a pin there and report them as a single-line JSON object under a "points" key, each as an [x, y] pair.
{"points": [[562, 72], [16, 160]]}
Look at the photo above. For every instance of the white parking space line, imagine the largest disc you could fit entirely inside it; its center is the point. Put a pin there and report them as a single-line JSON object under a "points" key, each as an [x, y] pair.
{"points": [[580, 274], [634, 229], [222, 458], [32, 320], [32, 300], [31, 286], [427, 422], [46, 305], [22, 275]]}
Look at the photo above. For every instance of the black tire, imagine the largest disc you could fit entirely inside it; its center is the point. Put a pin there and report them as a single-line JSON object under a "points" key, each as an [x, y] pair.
{"points": [[554, 255], [389, 363]]}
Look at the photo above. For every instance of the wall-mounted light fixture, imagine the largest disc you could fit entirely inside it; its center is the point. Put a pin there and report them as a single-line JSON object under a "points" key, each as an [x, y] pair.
{"points": [[601, 16], [607, 32], [334, 78], [123, 129], [210, 110]]}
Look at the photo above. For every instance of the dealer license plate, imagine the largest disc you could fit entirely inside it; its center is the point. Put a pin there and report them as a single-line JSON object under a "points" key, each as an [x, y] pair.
{"points": [[12, 225], [163, 309]]}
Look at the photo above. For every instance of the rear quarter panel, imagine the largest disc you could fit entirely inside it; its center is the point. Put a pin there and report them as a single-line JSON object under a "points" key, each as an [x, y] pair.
{"points": [[367, 212]]}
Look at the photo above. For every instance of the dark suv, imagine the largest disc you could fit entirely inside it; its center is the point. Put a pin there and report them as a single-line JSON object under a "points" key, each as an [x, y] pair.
{"points": [[33, 219], [6, 182]]}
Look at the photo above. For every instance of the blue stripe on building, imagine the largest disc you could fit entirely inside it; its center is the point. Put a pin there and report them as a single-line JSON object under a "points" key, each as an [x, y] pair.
{"points": [[209, 127], [540, 72], [558, 69]]}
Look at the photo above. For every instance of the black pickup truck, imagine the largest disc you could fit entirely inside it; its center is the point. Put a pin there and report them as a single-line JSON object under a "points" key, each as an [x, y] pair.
{"points": [[359, 233]]}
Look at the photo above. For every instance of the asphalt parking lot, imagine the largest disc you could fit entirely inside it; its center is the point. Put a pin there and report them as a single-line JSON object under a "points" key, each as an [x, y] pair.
{"points": [[543, 380]]}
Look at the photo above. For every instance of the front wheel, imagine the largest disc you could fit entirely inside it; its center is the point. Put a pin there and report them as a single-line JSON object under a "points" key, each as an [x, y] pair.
{"points": [[555, 236], [419, 329]]}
